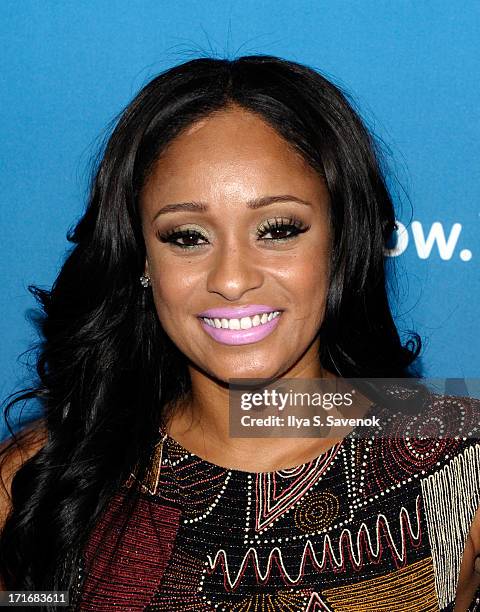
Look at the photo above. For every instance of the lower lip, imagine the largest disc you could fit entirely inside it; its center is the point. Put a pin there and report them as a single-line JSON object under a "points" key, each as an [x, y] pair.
{"points": [[240, 336]]}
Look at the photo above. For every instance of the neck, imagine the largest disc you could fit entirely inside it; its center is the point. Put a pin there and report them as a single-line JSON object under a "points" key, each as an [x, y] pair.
{"points": [[201, 425]]}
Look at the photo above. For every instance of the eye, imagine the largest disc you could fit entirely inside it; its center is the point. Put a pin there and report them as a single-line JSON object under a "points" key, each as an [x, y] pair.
{"points": [[188, 236], [280, 225]]}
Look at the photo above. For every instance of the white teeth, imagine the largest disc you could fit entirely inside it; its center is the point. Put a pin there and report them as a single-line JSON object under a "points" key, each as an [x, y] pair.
{"points": [[243, 323], [256, 321]]}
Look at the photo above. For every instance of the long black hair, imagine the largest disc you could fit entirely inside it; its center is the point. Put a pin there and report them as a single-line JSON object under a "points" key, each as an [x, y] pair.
{"points": [[106, 369]]}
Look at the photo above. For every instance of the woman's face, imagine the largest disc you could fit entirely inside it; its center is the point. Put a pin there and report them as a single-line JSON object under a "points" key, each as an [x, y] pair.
{"points": [[236, 226]]}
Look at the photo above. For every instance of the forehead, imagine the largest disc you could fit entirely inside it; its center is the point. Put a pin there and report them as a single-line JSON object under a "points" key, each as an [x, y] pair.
{"points": [[230, 149]]}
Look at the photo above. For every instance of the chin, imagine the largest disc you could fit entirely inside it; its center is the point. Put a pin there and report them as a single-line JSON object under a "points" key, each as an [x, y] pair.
{"points": [[258, 371]]}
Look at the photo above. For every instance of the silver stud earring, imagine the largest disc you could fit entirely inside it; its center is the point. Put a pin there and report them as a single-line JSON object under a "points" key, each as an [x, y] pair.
{"points": [[145, 281]]}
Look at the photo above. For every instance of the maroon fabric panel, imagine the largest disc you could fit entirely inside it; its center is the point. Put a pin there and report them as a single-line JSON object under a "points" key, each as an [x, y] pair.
{"points": [[127, 579]]}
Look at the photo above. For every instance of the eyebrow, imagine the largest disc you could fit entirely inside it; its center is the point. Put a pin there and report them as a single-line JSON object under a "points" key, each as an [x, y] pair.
{"points": [[203, 207]]}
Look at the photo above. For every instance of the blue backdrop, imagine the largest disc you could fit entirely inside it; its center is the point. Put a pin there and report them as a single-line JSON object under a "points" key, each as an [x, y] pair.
{"points": [[69, 67]]}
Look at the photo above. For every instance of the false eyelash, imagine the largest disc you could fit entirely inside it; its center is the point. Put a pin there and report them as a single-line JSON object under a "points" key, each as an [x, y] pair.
{"points": [[170, 235], [283, 223]]}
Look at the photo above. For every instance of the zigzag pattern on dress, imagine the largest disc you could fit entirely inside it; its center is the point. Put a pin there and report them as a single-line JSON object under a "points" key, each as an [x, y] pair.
{"points": [[357, 546]]}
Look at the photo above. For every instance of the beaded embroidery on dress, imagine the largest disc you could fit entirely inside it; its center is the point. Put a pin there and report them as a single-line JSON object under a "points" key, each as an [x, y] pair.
{"points": [[372, 524]]}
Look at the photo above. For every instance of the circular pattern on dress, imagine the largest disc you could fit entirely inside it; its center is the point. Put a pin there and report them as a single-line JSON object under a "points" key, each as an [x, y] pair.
{"points": [[317, 511], [414, 443], [395, 460]]}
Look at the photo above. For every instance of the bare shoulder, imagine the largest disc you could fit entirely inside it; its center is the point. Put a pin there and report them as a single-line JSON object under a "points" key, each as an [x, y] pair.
{"points": [[469, 576], [13, 454]]}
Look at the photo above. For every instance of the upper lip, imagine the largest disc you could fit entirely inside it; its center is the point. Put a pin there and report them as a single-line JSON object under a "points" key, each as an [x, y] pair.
{"points": [[236, 312]]}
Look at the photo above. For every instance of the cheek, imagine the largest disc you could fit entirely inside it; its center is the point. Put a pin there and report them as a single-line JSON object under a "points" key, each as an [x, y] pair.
{"points": [[306, 280], [173, 285]]}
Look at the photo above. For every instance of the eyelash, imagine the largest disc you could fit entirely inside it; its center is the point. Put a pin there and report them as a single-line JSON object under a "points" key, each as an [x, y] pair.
{"points": [[279, 224]]}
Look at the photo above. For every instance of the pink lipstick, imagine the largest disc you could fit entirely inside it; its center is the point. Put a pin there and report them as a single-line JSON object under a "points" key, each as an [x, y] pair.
{"points": [[240, 325]]}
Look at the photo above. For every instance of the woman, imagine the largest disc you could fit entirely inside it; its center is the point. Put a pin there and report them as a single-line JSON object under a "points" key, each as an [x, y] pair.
{"points": [[247, 196]]}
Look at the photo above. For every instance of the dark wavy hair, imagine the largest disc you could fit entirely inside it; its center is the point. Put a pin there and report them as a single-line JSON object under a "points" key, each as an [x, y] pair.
{"points": [[107, 370]]}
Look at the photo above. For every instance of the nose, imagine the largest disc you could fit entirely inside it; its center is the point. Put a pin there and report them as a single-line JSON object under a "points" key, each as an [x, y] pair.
{"points": [[233, 272]]}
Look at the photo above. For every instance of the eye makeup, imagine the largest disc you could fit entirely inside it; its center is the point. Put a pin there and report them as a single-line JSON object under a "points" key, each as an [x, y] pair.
{"points": [[293, 226], [187, 235], [282, 225]]}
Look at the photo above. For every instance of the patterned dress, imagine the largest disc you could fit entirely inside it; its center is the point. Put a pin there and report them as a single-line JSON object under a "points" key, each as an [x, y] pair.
{"points": [[373, 524]]}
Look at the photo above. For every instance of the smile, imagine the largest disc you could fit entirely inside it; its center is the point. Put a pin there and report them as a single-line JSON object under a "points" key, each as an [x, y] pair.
{"points": [[244, 330], [243, 323]]}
